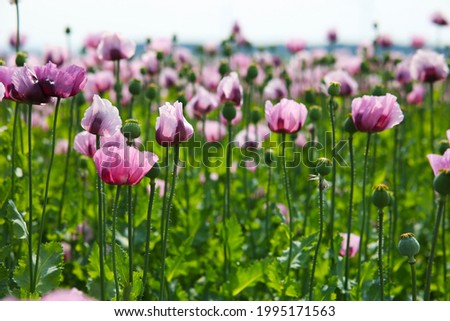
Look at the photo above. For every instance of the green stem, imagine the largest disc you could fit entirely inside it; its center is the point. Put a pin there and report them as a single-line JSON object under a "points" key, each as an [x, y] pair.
{"points": [[117, 87], [166, 228], [147, 241], [267, 221], [13, 152], [47, 184], [444, 254], [18, 27], [66, 165], [319, 240], [441, 207], [333, 173], [163, 214], [113, 249], [100, 230], [30, 201], [130, 108], [130, 236], [413, 280], [288, 199], [350, 213], [363, 223], [380, 251], [431, 117]]}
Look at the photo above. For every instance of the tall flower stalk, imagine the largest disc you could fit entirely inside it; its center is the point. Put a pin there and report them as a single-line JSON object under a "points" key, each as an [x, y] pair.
{"points": [[30, 200], [408, 246]]}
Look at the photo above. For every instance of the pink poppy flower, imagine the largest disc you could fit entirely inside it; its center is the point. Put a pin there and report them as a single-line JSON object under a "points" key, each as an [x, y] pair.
{"points": [[287, 116], [349, 86], [295, 45], [439, 19], [428, 66], [163, 45], [62, 145], [384, 41], [332, 36], [230, 89], [202, 103], [101, 118], [85, 144], [114, 46], [210, 77], [150, 62], [66, 295], [61, 83], [255, 136], [402, 72], [92, 40], [2, 91], [6, 74], [26, 88], [374, 114], [440, 163], [417, 95], [354, 244], [214, 131], [123, 166], [275, 89], [13, 39], [56, 55], [168, 77], [418, 42], [171, 126]]}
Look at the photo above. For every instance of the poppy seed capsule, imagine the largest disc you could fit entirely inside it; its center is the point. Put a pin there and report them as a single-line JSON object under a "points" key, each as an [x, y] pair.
{"points": [[408, 246], [21, 59], [315, 113], [151, 91], [154, 172], [131, 129], [252, 73], [224, 68], [135, 87], [443, 146], [229, 111], [380, 196], [334, 89], [349, 125], [323, 166], [441, 183]]}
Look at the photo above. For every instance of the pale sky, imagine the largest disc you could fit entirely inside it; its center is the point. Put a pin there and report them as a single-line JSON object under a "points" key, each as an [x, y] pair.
{"points": [[262, 21]]}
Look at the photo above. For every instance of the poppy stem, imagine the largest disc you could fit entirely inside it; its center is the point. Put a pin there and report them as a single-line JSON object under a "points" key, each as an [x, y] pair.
{"points": [[441, 209], [350, 214], [319, 240], [380, 252], [413, 279], [113, 249], [288, 199], [147, 240], [17, 26], [130, 236], [431, 116], [363, 221], [13, 152], [100, 230], [166, 227], [267, 220], [333, 173], [47, 184], [30, 201]]}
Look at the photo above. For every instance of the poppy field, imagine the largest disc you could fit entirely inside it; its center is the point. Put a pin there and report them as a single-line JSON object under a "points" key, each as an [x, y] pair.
{"points": [[159, 171]]}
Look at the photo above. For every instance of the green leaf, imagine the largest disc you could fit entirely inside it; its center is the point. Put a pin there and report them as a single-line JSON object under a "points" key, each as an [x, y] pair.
{"points": [[93, 269], [20, 230], [300, 252], [49, 272], [275, 273], [174, 266], [4, 278], [137, 287], [235, 239], [5, 251], [246, 277]]}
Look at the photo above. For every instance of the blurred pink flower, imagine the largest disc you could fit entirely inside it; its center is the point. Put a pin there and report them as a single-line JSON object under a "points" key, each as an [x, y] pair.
{"points": [[2, 91], [354, 244], [439, 19], [168, 77], [171, 126], [210, 77], [202, 103], [101, 118], [417, 42], [85, 144], [66, 295], [182, 56], [66, 250], [295, 45], [287, 116], [440, 163], [376, 113], [163, 45], [236, 120], [62, 145], [123, 166], [6, 74], [239, 62], [159, 184], [13, 39], [349, 86], [402, 72], [384, 41], [214, 131], [114, 46], [98, 83], [26, 88], [428, 66], [275, 89], [150, 62], [332, 36], [92, 40], [56, 55], [230, 90], [255, 136], [416, 95], [300, 141]]}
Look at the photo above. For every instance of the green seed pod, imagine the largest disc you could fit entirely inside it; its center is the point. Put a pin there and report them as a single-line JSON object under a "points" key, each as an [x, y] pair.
{"points": [[441, 183], [159, 55], [182, 98], [315, 113], [323, 166], [151, 92], [443, 146], [349, 125], [21, 58], [255, 116], [135, 87], [310, 97], [118, 87], [192, 77], [2, 62], [268, 157], [131, 129], [380, 196], [67, 30], [408, 246], [334, 89], [154, 172], [252, 73], [229, 111], [224, 68], [379, 91]]}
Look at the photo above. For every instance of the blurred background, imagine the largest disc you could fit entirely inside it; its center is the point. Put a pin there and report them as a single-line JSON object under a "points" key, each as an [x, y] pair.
{"points": [[198, 21]]}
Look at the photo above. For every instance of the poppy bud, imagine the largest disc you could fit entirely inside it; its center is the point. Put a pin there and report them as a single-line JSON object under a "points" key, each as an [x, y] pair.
{"points": [[380, 196], [441, 183], [134, 87], [131, 129], [334, 89], [323, 166]]}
